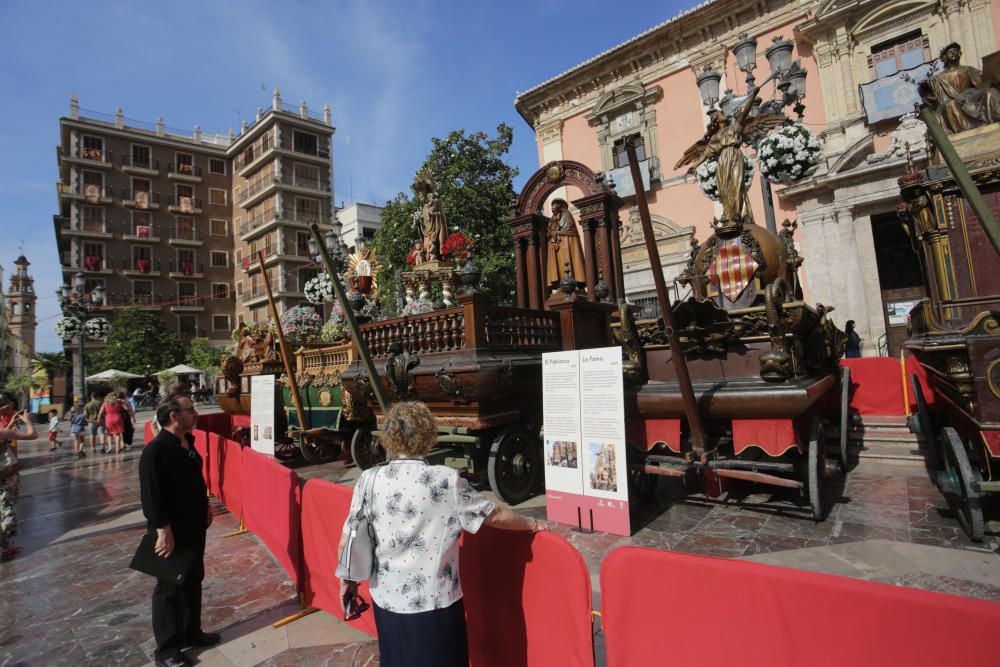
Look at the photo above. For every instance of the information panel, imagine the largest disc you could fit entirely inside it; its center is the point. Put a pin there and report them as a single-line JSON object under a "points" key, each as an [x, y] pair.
{"points": [[262, 414], [586, 477]]}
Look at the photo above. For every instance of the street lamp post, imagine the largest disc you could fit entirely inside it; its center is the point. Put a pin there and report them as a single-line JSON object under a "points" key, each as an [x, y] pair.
{"points": [[76, 302], [792, 86]]}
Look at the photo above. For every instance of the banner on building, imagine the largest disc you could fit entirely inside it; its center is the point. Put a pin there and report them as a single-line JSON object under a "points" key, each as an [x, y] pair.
{"points": [[262, 414], [892, 96], [586, 478]]}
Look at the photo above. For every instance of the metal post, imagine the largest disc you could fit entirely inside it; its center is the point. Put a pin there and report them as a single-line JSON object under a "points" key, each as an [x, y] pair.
{"points": [[285, 359], [683, 378], [352, 324], [78, 384], [962, 177]]}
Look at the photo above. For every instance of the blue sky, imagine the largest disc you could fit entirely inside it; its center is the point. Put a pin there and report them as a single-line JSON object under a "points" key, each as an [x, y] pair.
{"points": [[395, 75]]}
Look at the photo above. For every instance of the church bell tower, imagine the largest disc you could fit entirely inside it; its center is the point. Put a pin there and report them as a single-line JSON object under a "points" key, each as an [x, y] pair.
{"points": [[21, 308]]}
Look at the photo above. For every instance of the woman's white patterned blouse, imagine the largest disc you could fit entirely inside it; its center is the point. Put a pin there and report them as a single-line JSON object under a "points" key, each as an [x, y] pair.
{"points": [[420, 511]]}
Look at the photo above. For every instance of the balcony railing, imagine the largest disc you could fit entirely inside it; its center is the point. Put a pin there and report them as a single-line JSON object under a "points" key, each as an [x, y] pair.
{"points": [[252, 293], [311, 183], [95, 154], [96, 226], [183, 170], [91, 192], [288, 144], [141, 198], [128, 161], [253, 152], [94, 263], [185, 204], [185, 234], [186, 267], [140, 231], [244, 193], [142, 265]]}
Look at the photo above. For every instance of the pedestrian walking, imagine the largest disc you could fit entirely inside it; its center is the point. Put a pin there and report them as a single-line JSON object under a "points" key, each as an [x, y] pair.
{"points": [[128, 421], [77, 424], [175, 503], [94, 428], [9, 469], [112, 419], [852, 350], [418, 512], [53, 430]]}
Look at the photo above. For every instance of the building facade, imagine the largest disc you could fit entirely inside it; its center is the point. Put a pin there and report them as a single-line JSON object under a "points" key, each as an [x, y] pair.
{"points": [[173, 223], [358, 223], [647, 89]]}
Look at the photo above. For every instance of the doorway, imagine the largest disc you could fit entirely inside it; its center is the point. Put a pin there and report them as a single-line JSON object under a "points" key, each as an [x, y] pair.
{"points": [[899, 277]]}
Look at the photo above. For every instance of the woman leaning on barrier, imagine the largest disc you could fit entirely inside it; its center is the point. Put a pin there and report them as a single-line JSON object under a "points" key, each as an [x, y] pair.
{"points": [[419, 511]]}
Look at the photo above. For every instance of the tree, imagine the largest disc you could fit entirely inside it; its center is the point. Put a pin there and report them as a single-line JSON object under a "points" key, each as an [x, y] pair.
{"points": [[50, 363], [20, 385], [203, 356], [139, 341], [476, 188]]}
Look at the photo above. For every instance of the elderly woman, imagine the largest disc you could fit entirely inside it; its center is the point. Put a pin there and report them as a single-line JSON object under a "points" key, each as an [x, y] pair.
{"points": [[10, 433], [419, 511]]}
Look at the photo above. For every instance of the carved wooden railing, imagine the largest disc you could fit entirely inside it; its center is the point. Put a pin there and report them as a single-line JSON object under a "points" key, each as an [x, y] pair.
{"points": [[327, 358], [473, 325]]}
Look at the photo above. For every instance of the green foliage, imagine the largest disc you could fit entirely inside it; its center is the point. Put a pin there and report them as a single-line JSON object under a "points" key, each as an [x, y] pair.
{"points": [[20, 385], [203, 356], [476, 188], [139, 341], [49, 363]]}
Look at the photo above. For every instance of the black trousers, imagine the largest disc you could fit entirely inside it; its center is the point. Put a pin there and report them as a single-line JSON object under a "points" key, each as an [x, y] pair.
{"points": [[177, 611]]}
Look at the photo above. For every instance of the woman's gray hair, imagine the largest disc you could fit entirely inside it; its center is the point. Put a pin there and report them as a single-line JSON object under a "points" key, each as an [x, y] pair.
{"points": [[408, 430]]}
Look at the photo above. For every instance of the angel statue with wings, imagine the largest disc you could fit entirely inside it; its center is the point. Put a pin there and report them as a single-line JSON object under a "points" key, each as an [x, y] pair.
{"points": [[723, 142]]}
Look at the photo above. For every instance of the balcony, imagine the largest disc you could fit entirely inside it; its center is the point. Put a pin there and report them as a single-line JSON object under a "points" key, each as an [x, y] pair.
{"points": [[143, 301], [301, 150], [187, 303], [253, 154], [184, 172], [140, 199], [257, 191], [135, 232], [95, 264], [253, 294], [254, 192], [86, 192], [180, 204], [94, 229], [141, 267], [186, 269], [91, 157], [313, 184], [185, 236], [141, 168]]}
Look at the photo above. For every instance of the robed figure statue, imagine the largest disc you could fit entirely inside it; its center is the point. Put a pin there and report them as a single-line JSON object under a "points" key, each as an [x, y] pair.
{"points": [[563, 245], [723, 142], [431, 224], [959, 95]]}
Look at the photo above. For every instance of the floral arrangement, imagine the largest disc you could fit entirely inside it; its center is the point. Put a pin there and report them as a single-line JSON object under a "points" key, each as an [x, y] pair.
{"points": [[319, 289], [69, 327], [706, 176], [301, 324], [418, 307], [97, 327], [334, 331], [790, 154], [457, 246]]}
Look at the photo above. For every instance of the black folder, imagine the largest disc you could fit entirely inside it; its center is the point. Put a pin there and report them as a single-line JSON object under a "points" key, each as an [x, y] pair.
{"points": [[172, 569]]}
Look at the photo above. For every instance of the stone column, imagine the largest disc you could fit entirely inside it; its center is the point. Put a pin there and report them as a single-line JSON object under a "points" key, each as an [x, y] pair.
{"points": [[865, 242], [534, 277], [522, 294], [854, 278]]}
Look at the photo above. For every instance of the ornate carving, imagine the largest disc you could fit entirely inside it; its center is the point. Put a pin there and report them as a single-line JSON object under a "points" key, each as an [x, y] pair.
{"points": [[824, 346], [231, 367], [910, 136], [748, 240], [627, 335], [505, 377], [554, 172], [354, 401], [704, 328], [776, 363], [687, 275], [449, 384], [397, 369]]}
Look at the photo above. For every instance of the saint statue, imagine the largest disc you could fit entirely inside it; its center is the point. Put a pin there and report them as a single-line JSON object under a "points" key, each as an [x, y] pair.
{"points": [[563, 245], [723, 142], [431, 224], [959, 95]]}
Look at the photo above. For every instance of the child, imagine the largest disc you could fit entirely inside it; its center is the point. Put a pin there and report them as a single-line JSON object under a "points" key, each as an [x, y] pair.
{"points": [[53, 430], [77, 423]]}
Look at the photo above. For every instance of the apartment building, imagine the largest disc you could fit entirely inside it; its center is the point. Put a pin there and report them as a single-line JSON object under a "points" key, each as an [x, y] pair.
{"points": [[172, 222], [358, 223]]}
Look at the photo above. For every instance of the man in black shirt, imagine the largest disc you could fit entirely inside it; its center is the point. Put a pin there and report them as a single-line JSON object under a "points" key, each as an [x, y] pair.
{"points": [[175, 503]]}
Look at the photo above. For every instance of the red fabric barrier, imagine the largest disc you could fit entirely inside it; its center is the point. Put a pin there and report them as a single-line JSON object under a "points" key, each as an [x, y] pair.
{"points": [[240, 421], [214, 479], [272, 509], [739, 613], [217, 422], [148, 433], [876, 385], [228, 468], [527, 600], [324, 509], [914, 367], [773, 436]]}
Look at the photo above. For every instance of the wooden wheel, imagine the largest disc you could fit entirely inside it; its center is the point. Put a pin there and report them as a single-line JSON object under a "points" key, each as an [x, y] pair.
{"points": [[925, 426], [960, 483], [317, 450], [845, 402], [515, 466], [286, 450], [366, 449], [816, 470]]}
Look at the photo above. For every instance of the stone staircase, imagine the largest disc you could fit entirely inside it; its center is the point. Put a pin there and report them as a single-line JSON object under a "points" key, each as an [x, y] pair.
{"points": [[886, 438]]}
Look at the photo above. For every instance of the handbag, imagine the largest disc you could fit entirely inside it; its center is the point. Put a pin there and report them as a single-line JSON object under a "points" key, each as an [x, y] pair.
{"points": [[357, 560]]}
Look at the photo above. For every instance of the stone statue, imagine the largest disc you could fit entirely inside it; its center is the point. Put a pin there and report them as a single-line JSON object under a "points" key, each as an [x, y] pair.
{"points": [[432, 224], [911, 133], [959, 95], [563, 245], [723, 142]]}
